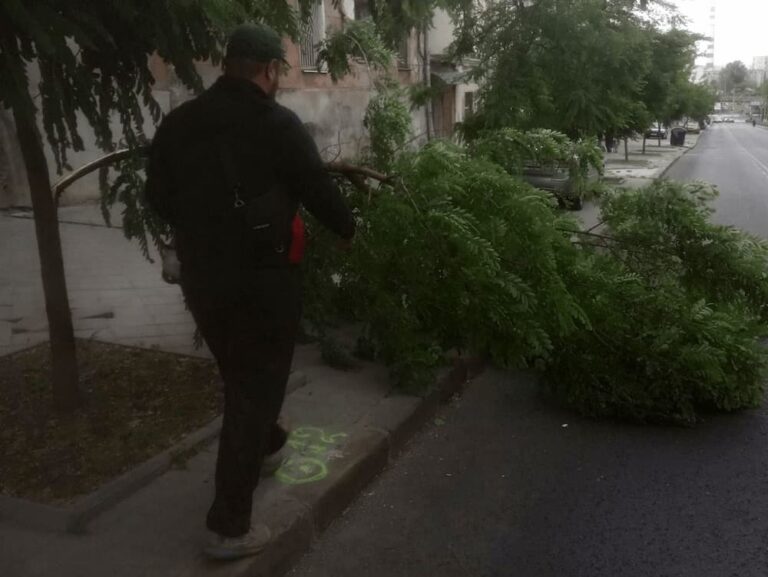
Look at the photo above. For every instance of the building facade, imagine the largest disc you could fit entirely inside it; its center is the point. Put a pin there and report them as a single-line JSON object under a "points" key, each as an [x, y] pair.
{"points": [[458, 92], [333, 112]]}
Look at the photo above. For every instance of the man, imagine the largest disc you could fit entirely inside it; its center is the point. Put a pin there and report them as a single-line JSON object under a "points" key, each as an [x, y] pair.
{"points": [[228, 171]]}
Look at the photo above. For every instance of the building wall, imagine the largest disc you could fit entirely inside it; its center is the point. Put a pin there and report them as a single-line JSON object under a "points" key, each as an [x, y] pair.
{"points": [[760, 63]]}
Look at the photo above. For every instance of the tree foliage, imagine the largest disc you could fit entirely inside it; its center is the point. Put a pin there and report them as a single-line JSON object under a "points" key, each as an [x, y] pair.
{"points": [[695, 101], [388, 121], [358, 39], [676, 306], [673, 55], [575, 66], [657, 319], [513, 150], [455, 254], [734, 77], [581, 67]]}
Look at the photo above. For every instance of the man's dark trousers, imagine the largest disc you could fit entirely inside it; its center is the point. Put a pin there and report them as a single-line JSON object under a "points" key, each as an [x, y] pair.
{"points": [[253, 342]]}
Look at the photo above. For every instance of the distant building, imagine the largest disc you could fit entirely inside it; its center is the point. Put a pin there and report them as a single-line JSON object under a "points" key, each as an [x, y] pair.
{"points": [[705, 74], [458, 92], [760, 63], [759, 69]]}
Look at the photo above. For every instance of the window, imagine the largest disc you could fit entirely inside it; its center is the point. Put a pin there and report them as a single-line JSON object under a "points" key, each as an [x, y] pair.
{"points": [[311, 36], [469, 103], [362, 9], [403, 61]]}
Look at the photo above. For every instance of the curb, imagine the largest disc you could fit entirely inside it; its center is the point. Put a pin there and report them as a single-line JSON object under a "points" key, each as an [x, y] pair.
{"points": [[74, 518], [664, 172], [374, 443]]}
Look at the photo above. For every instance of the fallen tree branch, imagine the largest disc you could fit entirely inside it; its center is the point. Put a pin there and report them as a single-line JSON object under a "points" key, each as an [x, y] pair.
{"points": [[354, 173], [348, 169]]}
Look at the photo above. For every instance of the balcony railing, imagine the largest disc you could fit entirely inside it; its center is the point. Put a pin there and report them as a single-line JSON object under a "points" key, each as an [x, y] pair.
{"points": [[312, 34]]}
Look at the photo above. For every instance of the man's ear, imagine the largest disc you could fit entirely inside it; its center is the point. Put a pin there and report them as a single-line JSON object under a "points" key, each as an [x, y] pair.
{"points": [[273, 69]]}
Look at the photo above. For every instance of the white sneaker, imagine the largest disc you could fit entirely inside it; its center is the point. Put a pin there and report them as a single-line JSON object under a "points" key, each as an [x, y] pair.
{"points": [[230, 548]]}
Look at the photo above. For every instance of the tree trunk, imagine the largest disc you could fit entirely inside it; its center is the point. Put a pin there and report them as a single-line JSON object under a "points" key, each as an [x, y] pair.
{"points": [[64, 375], [428, 83], [626, 149], [643, 144]]}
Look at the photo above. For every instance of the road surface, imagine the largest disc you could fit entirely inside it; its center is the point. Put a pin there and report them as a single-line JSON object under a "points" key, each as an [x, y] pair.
{"points": [[502, 487], [504, 484], [735, 158]]}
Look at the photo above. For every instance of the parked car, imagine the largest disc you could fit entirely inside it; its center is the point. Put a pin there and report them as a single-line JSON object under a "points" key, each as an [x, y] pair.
{"points": [[656, 132], [557, 180]]}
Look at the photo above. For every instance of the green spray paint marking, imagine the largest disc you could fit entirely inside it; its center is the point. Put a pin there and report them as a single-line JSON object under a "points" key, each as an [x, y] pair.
{"points": [[309, 463]]}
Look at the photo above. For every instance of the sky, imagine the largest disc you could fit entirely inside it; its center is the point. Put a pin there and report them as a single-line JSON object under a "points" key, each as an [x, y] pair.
{"points": [[741, 27]]}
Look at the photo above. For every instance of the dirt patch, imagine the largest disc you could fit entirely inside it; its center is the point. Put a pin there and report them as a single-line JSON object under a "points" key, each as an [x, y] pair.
{"points": [[137, 403]]}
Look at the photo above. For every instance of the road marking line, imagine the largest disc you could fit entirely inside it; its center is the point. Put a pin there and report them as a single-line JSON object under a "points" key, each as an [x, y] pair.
{"points": [[760, 165]]}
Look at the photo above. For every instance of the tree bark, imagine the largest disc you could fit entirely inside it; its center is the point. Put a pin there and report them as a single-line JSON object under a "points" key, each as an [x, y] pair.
{"points": [[64, 376], [626, 149]]}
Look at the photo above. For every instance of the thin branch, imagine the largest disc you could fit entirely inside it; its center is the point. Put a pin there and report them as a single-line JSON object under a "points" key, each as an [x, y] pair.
{"points": [[587, 233], [343, 168], [337, 146], [598, 225], [347, 169], [107, 160]]}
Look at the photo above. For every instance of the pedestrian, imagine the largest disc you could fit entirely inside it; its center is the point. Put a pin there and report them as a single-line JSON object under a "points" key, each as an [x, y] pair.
{"points": [[228, 171]]}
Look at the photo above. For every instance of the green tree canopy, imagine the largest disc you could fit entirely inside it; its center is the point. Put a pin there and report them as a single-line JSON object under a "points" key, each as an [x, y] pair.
{"points": [[694, 101], [577, 66], [734, 77], [583, 67], [673, 53]]}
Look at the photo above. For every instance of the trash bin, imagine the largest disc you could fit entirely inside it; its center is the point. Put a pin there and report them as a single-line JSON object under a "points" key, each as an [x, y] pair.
{"points": [[677, 136]]}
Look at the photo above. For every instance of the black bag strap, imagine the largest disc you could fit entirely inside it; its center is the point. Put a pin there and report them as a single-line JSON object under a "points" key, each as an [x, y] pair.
{"points": [[230, 173]]}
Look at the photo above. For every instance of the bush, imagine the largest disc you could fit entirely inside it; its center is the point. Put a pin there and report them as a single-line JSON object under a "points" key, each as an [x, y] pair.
{"points": [[676, 306], [456, 254]]}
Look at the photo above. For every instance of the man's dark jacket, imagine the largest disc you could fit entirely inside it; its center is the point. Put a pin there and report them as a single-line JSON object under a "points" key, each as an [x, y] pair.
{"points": [[270, 151]]}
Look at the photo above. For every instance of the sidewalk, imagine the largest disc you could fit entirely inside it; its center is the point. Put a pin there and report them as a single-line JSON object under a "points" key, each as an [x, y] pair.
{"points": [[116, 295], [641, 168], [346, 426]]}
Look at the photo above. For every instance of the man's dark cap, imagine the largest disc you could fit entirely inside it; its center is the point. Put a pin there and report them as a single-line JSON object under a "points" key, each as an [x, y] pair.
{"points": [[256, 42]]}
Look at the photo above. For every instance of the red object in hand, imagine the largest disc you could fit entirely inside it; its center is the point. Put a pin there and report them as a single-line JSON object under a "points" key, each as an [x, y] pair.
{"points": [[298, 241]]}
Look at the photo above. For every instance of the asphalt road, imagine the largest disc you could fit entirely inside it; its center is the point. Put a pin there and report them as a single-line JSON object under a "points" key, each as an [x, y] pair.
{"points": [[500, 486], [735, 158]]}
